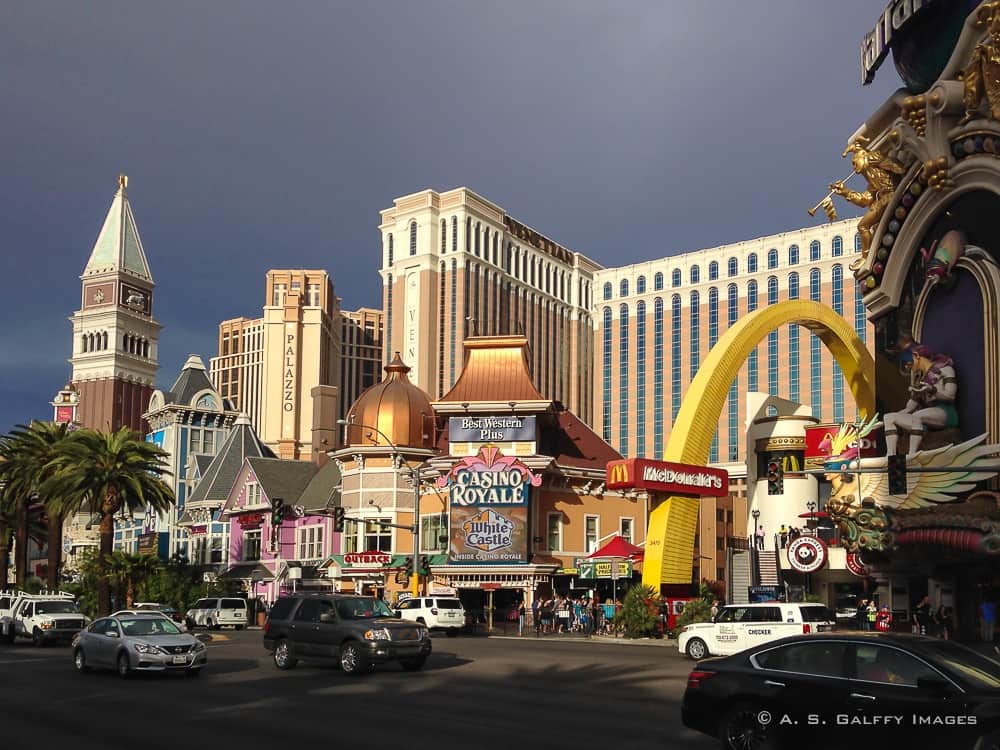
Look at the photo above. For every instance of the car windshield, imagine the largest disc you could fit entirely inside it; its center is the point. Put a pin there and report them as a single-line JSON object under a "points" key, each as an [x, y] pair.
{"points": [[362, 608], [55, 608], [149, 626], [980, 671]]}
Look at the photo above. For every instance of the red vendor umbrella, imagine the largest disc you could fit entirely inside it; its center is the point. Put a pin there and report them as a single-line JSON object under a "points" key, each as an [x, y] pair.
{"points": [[618, 547]]}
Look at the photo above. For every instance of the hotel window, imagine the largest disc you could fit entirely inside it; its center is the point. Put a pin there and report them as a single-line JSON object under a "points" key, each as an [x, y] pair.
{"points": [[454, 306], [279, 292], [675, 356], [713, 271], [814, 250], [312, 290], [860, 316], [309, 542], [752, 263], [752, 383], [413, 238], [553, 532], [857, 243], [606, 377], [454, 233], [838, 246], [675, 278], [838, 377], [625, 529], [623, 389], [658, 377], [496, 251], [389, 251], [434, 532], [468, 235], [732, 267], [732, 306], [793, 344], [388, 313], [208, 442], [772, 340], [733, 426], [695, 337], [591, 533], [640, 378], [608, 290], [378, 538], [815, 362], [640, 285], [444, 236], [623, 288], [793, 255], [713, 317], [657, 282], [772, 258], [478, 232], [695, 274]]}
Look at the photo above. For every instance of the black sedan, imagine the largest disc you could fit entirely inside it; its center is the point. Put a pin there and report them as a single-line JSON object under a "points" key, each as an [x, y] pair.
{"points": [[836, 691]]}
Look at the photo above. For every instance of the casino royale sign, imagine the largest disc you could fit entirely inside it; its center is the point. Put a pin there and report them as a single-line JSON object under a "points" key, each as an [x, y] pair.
{"points": [[489, 478], [666, 476]]}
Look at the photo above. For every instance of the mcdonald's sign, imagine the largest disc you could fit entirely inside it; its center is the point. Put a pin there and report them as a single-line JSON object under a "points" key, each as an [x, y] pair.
{"points": [[666, 476]]}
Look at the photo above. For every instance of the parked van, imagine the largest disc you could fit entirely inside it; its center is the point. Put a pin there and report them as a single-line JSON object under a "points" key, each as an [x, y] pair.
{"points": [[740, 626], [436, 612], [214, 613]]}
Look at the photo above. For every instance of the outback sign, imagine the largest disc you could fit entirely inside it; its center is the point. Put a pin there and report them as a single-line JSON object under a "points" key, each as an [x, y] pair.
{"points": [[665, 476]]}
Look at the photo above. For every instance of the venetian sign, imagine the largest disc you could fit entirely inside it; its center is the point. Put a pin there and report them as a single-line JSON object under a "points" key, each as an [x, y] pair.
{"points": [[492, 429], [489, 478], [368, 559], [666, 476], [806, 554], [821, 439]]}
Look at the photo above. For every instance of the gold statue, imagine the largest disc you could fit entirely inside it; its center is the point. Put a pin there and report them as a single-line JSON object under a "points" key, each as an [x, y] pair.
{"points": [[982, 77], [882, 173]]}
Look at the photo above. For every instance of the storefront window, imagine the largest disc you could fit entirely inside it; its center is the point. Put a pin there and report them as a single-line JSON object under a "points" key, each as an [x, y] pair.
{"points": [[251, 545], [433, 532]]}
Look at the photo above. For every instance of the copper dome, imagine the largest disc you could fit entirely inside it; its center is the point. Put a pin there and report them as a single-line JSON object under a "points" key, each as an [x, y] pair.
{"points": [[397, 407]]}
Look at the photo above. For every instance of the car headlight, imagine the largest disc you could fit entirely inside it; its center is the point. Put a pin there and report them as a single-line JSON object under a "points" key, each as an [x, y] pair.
{"points": [[46, 624], [200, 646], [378, 634], [146, 648]]}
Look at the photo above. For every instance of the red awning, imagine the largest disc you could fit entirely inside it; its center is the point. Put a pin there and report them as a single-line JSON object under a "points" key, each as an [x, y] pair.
{"points": [[618, 547], [965, 539], [815, 514]]}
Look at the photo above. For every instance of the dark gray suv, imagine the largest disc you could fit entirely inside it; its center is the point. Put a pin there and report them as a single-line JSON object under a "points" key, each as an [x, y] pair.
{"points": [[358, 631]]}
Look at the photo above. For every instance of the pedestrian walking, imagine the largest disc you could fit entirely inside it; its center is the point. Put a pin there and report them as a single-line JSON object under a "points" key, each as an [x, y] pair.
{"points": [[883, 621], [783, 535], [872, 614], [861, 614], [922, 615], [760, 537], [535, 603]]}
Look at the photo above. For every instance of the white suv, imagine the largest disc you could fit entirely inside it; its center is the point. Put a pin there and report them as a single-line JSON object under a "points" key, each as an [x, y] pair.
{"points": [[740, 626], [213, 613], [436, 612]]}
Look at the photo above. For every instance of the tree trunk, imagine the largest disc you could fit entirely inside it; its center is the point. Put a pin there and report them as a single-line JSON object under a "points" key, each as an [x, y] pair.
{"points": [[129, 593], [108, 509], [55, 549], [21, 543]]}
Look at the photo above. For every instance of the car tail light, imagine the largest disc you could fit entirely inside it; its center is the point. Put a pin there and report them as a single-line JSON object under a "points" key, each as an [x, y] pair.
{"points": [[434, 610], [267, 627], [697, 677], [806, 628]]}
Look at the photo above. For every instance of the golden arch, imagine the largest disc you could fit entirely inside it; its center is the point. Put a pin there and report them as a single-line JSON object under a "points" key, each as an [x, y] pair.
{"points": [[672, 525]]}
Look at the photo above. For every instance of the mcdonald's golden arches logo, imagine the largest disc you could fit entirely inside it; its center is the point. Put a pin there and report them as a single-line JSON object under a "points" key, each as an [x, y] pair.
{"points": [[619, 474]]}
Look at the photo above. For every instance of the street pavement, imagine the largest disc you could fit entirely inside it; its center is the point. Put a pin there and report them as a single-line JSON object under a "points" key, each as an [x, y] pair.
{"points": [[474, 692]]}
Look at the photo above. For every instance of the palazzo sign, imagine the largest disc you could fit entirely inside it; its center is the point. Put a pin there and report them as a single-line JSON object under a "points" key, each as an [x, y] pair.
{"points": [[665, 476], [489, 494], [288, 376], [876, 44], [492, 429]]}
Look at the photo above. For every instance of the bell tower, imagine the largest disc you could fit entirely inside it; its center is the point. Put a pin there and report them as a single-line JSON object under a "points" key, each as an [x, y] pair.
{"points": [[115, 337]]}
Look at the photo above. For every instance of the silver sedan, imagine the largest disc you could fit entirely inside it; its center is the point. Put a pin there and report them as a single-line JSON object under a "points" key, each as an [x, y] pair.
{"points": [[130, 643]]}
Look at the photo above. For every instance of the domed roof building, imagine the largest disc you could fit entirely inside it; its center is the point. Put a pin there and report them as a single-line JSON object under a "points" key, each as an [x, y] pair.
{"points": [[399, 411]]}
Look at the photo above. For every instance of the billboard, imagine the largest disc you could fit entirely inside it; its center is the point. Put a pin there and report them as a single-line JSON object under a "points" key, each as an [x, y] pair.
{"points": [[507, 429], [666, 476], [823, 441]]}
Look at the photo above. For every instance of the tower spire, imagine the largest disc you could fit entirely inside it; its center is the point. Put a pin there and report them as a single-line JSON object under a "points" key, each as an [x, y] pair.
{"points": [[118, 247]]}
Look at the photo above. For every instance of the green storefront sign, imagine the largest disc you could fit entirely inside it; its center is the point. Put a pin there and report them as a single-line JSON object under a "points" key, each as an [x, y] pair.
{"points": [[588, 570]]}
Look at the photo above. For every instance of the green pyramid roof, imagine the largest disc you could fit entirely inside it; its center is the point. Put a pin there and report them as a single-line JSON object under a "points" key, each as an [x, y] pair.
{"points": [[118, 247]]}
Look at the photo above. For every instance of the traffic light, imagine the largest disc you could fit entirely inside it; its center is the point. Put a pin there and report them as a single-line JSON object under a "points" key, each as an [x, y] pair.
{"points": [[897, 475], [425, 565], [775, 479], [277, 511], [338, 519]]}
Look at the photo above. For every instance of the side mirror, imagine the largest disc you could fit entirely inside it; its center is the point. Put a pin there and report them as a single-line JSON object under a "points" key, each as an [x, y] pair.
{"points": [[111, 633], [327, 617]]}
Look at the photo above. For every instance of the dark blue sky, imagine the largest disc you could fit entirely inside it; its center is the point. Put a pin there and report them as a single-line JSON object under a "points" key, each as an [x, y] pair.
{"points": [[261, 134]]}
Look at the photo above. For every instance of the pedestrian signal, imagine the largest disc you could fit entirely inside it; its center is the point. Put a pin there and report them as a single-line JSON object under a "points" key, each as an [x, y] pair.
{"points": [[277, 511]]}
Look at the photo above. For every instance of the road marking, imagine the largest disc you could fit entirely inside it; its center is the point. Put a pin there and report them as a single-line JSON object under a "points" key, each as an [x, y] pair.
{"points": [[263, 703], [23, 661]]}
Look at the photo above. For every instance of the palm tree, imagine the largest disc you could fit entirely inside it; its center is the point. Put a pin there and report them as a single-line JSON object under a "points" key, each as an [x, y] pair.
{"points": [[130, 571], [27, 452], [8, 520], [108, 473]]}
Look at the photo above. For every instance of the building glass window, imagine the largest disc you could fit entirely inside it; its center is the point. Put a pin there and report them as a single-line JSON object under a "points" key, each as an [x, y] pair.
{"points": [[625, 529], [312, 291], [793, 255], [623, 288], [454, 307], [280, 291], [675, 278], [733, 426], [389, 251], [675, 356], [640, 285], [814, 250], [251, 545], [591, 533], [695, 338], [309, 542], [478, 233], [658, 377], [623, 389], [860, 316], [752, 372], [454, 233], [815, 361], [793, 344], [444, 236], [553, 531], [378, 538], [606, 378], [772, 258], [388, 316], [658, 281], [434, 533], [732, 267], [772, 340], [640, 378], [838, 377], [695, 274], [713, 317], [608, 290], [713, 271], [838, 246], [752, 263], [857, 243]]}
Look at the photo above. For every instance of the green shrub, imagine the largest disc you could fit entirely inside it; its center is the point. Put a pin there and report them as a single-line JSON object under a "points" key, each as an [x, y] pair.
{"points": [[637, 617]]}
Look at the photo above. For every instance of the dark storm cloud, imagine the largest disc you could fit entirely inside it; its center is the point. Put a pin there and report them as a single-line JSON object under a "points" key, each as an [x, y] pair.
{"points": [[262, 135]]}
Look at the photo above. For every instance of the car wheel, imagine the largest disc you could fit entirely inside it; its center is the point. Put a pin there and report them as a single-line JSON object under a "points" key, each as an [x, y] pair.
{"points": [[452, 632], [124, 666], [696, 649], [283, 658], [741, 728], [414, 665], [80, 661], [36, 638], [352, 660]]}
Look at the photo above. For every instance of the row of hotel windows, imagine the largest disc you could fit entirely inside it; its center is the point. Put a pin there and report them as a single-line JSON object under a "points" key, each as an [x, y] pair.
{"points": [[591, 531], [694, 323], [280, 292], [97, 342], [732, 269], [522, 265]]}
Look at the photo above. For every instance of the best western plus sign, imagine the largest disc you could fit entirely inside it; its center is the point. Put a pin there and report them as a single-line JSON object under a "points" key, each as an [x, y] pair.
{"points": [[665, 476]]}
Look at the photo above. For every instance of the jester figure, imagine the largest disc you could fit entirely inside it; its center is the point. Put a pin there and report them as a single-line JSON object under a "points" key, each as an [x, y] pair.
{"points": [[982, 77], [881, 173], [932, 400]]}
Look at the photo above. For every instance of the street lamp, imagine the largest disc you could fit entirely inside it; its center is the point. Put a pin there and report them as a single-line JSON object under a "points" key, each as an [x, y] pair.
{"points": [[753, 546], [415, 477]]}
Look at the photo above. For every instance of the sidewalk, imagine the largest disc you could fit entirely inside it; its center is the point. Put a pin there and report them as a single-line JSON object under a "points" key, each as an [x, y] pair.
{"points": [[574, 638]]}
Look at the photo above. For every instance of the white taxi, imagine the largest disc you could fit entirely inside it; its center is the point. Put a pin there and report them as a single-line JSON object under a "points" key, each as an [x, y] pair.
{"points": [[740, 626]]}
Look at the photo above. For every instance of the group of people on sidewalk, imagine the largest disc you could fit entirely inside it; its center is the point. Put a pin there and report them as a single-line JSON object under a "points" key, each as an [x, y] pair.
{"points": [[565, 614], [924, 620]]}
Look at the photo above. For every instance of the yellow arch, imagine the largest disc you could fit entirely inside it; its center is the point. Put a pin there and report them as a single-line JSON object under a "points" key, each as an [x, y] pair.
{"points": [[672, 525]]}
